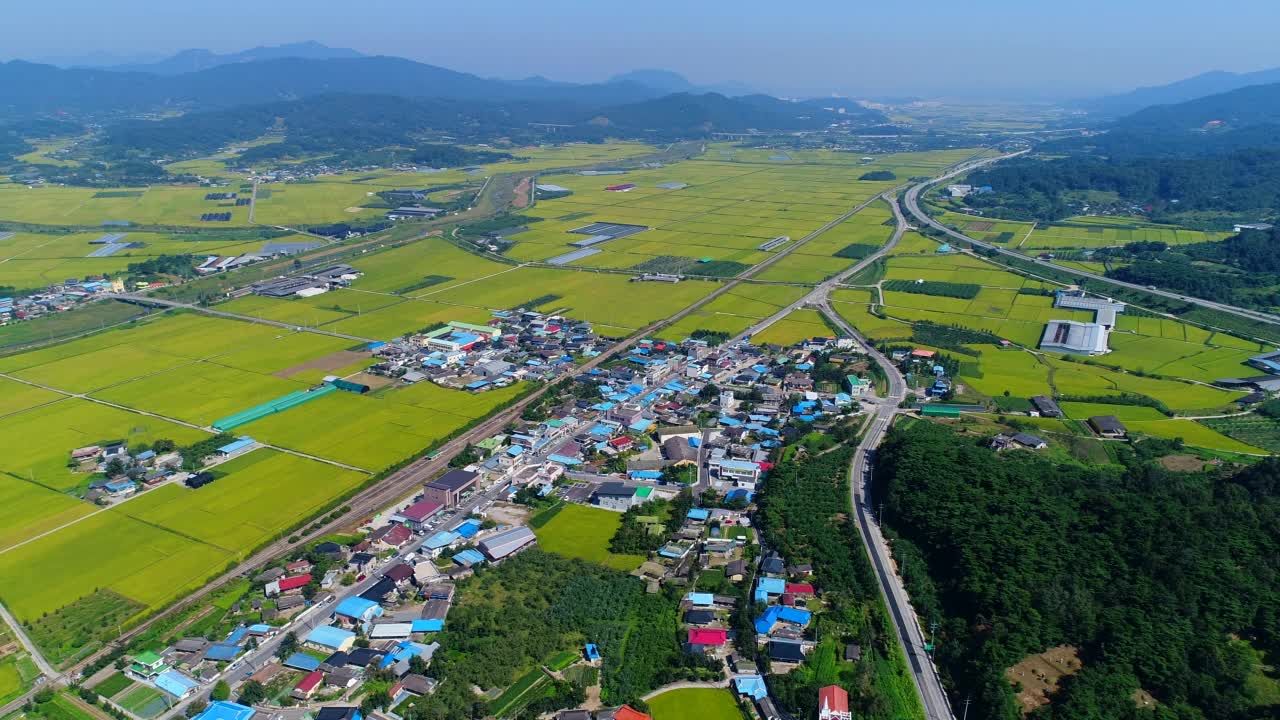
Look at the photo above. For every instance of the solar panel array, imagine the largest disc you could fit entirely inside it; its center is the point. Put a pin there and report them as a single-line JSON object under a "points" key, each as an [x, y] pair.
{"points": [[5, 235], [108, 250], [108, 239]]}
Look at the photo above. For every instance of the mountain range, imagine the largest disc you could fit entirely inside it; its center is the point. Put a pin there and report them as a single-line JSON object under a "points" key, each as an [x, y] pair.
{"points": [[1205, 84], [194, 60]]}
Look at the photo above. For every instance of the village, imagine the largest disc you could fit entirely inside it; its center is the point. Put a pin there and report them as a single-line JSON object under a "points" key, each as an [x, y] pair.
{"points": [[689, 424]]}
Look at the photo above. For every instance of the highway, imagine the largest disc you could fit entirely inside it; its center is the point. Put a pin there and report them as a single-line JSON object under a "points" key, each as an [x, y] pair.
{"points": [[912, 201], [823, 289]]}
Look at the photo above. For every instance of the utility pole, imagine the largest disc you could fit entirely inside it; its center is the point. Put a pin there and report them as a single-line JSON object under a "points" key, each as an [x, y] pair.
{"points": [[966, 708]]}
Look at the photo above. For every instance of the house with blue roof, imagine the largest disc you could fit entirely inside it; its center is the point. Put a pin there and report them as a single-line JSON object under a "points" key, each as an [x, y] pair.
{"points": [[469, 528], [470, 556], [357, 610], [440, 541], [592, 652], [222, 652], [750, 685], [698, 599], [698, 514], [225, 710], [302, 661], [176, 684], [426, 625], [331, 639]]}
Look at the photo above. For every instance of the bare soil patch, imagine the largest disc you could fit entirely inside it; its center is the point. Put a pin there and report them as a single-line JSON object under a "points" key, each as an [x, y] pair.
{"points": [[1037, 676], [508, 514], [980, 226], [333, 361], [1182, 463], [523, 188]]}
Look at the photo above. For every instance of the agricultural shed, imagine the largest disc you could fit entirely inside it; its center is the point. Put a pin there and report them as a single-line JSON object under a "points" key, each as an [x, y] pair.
{"points": [[425, 625], [175, 683], [358, 608], [507, 542], [331, 638], [302, 661]]}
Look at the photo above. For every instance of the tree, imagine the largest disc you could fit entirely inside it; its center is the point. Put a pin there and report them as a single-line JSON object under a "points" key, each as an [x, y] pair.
{"points": [[288, 645], [195, 708], [221, 690], [252, 693]]}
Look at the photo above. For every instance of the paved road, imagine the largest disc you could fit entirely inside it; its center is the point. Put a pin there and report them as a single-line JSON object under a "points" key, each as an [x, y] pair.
{"points": [[910, 636], [160, 302], [822, 290], [912, 202]]}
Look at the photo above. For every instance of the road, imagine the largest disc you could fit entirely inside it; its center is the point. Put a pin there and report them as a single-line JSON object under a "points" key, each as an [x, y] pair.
{"points": [[910, 636], [820, 293], [912, 200]]}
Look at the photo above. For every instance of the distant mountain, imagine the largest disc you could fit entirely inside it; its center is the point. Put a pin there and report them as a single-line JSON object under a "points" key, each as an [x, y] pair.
{"points": [[33, 88], [665, 80], [1233, 110], [1210, 83], [669, 81], [188, 61]]}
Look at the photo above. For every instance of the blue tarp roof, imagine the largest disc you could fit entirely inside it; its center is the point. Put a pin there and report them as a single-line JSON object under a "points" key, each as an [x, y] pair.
{"points": [[302, 661], [440, 539], [236, 635], [224, 710], [765, 622], [593, 652], [358, 607], [175, 683], [564, 460], [731, 422], [739, 493], [425, 625], [468, 528], [695, 442], [645, 474], [329, 636], [698, 514], [634, 389]]}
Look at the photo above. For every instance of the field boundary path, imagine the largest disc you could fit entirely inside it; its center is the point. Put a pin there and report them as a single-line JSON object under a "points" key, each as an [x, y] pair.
{"points": [[32, 650], [160, 302], [912, 198], [687, 685]]}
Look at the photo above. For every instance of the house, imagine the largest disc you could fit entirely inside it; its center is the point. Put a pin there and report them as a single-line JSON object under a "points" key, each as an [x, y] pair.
{"points": [[626, 712], [708, 637], [339, 713], [699, 617], [401, 574], [740, 472], [852, 652], [147, 665], [614, 496], [176, 684], [286, 584], [786, 651], [418, 684], [1108, 426], [679, 452], [328, 638], [507, 542], [1028, 440], [750, 685], [301, 567], [833, 703], [303, 662], [447, 489], [307, 686], [224, 710], [391, 537]]}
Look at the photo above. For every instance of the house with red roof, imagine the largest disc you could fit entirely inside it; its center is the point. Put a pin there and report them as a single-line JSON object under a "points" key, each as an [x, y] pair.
{"points": [[833, 704], [391, 537], [626, 712], [621, 443], [417, 514], [800, 588], [714, 637], [300, 567], [287, 585], [307, 685]]}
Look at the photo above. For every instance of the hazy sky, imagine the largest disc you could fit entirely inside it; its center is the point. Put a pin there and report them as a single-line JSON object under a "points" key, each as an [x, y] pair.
{"points": [[967, 47]]}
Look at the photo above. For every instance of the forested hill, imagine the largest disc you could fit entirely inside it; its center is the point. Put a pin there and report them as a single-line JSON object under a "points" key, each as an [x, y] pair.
{"points": [[1210, 83], [1151, 574]]}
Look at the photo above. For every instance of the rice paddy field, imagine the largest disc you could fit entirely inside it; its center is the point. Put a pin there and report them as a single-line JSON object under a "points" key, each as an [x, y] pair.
{"points": [[798, 326], [734, 311], [725, 212], [1162, 358]]}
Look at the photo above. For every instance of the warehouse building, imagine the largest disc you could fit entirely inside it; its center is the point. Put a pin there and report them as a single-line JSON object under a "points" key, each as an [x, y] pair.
{"points": [[507, 543], [1070, 336]]}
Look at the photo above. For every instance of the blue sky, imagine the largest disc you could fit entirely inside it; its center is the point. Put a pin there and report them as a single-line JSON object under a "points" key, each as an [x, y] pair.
{"points": [[929, 47]]}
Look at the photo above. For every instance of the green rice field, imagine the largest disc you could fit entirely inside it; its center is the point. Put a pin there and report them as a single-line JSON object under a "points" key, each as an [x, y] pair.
{"points": [[582, 532]]}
